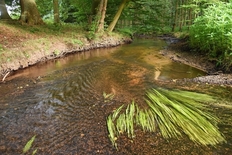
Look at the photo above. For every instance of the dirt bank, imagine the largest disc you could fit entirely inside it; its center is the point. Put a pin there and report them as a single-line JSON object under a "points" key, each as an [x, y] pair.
{"points": [[179, 51], [22, 46]]}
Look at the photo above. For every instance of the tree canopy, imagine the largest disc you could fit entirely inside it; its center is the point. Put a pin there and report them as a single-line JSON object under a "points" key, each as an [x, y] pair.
{"points": [[143, 16], [139, 15]]}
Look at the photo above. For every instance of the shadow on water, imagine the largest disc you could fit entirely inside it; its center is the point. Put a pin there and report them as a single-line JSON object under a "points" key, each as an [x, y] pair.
{"points": [[62, 103]]}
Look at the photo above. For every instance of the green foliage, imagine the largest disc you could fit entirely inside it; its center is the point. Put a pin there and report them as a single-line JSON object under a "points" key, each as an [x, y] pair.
{"points": [[8, 59], [34, 29], [76, 11], [1, 47], [126, 31], [55, 27], [92, 28], [212, 33], [112, 130], [45, 7], [27, 147], [174, 112], [34, 152], [77, 41], [14, 9], [91, 35], [149, 16]]}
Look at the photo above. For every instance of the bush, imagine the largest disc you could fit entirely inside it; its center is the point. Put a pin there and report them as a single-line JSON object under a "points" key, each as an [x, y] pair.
{"points": [[212, 33]]}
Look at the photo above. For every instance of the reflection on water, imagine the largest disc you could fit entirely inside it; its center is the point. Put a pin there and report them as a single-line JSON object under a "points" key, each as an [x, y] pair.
{"points": [[66, 111]]}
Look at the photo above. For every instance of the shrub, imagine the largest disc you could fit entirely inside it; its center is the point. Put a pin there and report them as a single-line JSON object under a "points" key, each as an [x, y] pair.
{"points": [[212, 33]]}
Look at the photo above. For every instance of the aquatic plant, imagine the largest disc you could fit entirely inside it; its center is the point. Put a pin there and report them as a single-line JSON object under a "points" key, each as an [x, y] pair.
{"points": [[108, 97], [173, 112], [111, 130], [182, 111], [27, 147], [111, 126]]}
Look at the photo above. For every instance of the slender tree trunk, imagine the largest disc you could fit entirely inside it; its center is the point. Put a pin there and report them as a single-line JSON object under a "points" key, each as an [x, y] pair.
{"points": [[30, 13], [190, 17], [56, 11], [176, 16], [118, 14], [102, 13], [4, 14], [95, 6], [98, 15], [185, 2], [181, 16]]}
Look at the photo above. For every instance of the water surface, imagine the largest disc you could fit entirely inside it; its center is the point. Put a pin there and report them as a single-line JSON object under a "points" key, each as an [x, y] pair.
{"points": [[61, 102]]}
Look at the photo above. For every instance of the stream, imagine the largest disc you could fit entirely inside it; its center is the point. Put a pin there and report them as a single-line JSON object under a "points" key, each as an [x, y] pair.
{"points": [[62, 103]]}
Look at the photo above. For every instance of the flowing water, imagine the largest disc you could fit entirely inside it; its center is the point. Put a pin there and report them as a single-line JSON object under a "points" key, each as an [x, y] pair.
{"points": [[62, 103]]}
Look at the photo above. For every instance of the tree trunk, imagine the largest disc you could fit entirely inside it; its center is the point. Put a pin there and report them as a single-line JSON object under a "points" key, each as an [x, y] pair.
{"points": [[181, 16], [176, 15], [185, 2], [56, 11], [30, 13], [3, 11], [118, 14], [190, 18], [101, 14], [95, 5]]}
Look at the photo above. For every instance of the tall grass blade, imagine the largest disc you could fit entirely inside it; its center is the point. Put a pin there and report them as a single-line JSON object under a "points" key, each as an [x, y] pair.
{"points": [[34, 152], [173, 112], [185, 112], [116, 112], [111, 130], [29, 144]]}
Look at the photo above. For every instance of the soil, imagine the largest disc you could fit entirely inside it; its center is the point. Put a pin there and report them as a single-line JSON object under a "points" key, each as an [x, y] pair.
{"points": [[22, 46]]}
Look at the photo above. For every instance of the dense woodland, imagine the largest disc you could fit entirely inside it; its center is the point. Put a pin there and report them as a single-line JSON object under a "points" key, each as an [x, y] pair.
{"points": [[207, 23]]}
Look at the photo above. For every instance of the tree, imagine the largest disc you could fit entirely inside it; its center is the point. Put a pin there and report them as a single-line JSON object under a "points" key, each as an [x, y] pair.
{"points": [[30, 13], [98, 13], [56, 11], [117, 15], [101, 15], [4, 14]]}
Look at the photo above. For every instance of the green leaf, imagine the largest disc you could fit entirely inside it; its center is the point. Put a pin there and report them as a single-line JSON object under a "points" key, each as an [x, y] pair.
{"points": [[29, 144], [34, 152]]}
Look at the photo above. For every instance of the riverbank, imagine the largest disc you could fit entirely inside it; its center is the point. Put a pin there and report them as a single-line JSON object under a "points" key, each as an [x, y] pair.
{"points": [[179, 51], [22, 46]]}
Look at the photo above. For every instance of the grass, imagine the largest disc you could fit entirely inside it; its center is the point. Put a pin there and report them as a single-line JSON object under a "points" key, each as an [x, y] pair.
{"points": [[32, 39], [1, 47], [39, 40], [173, 113]]}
